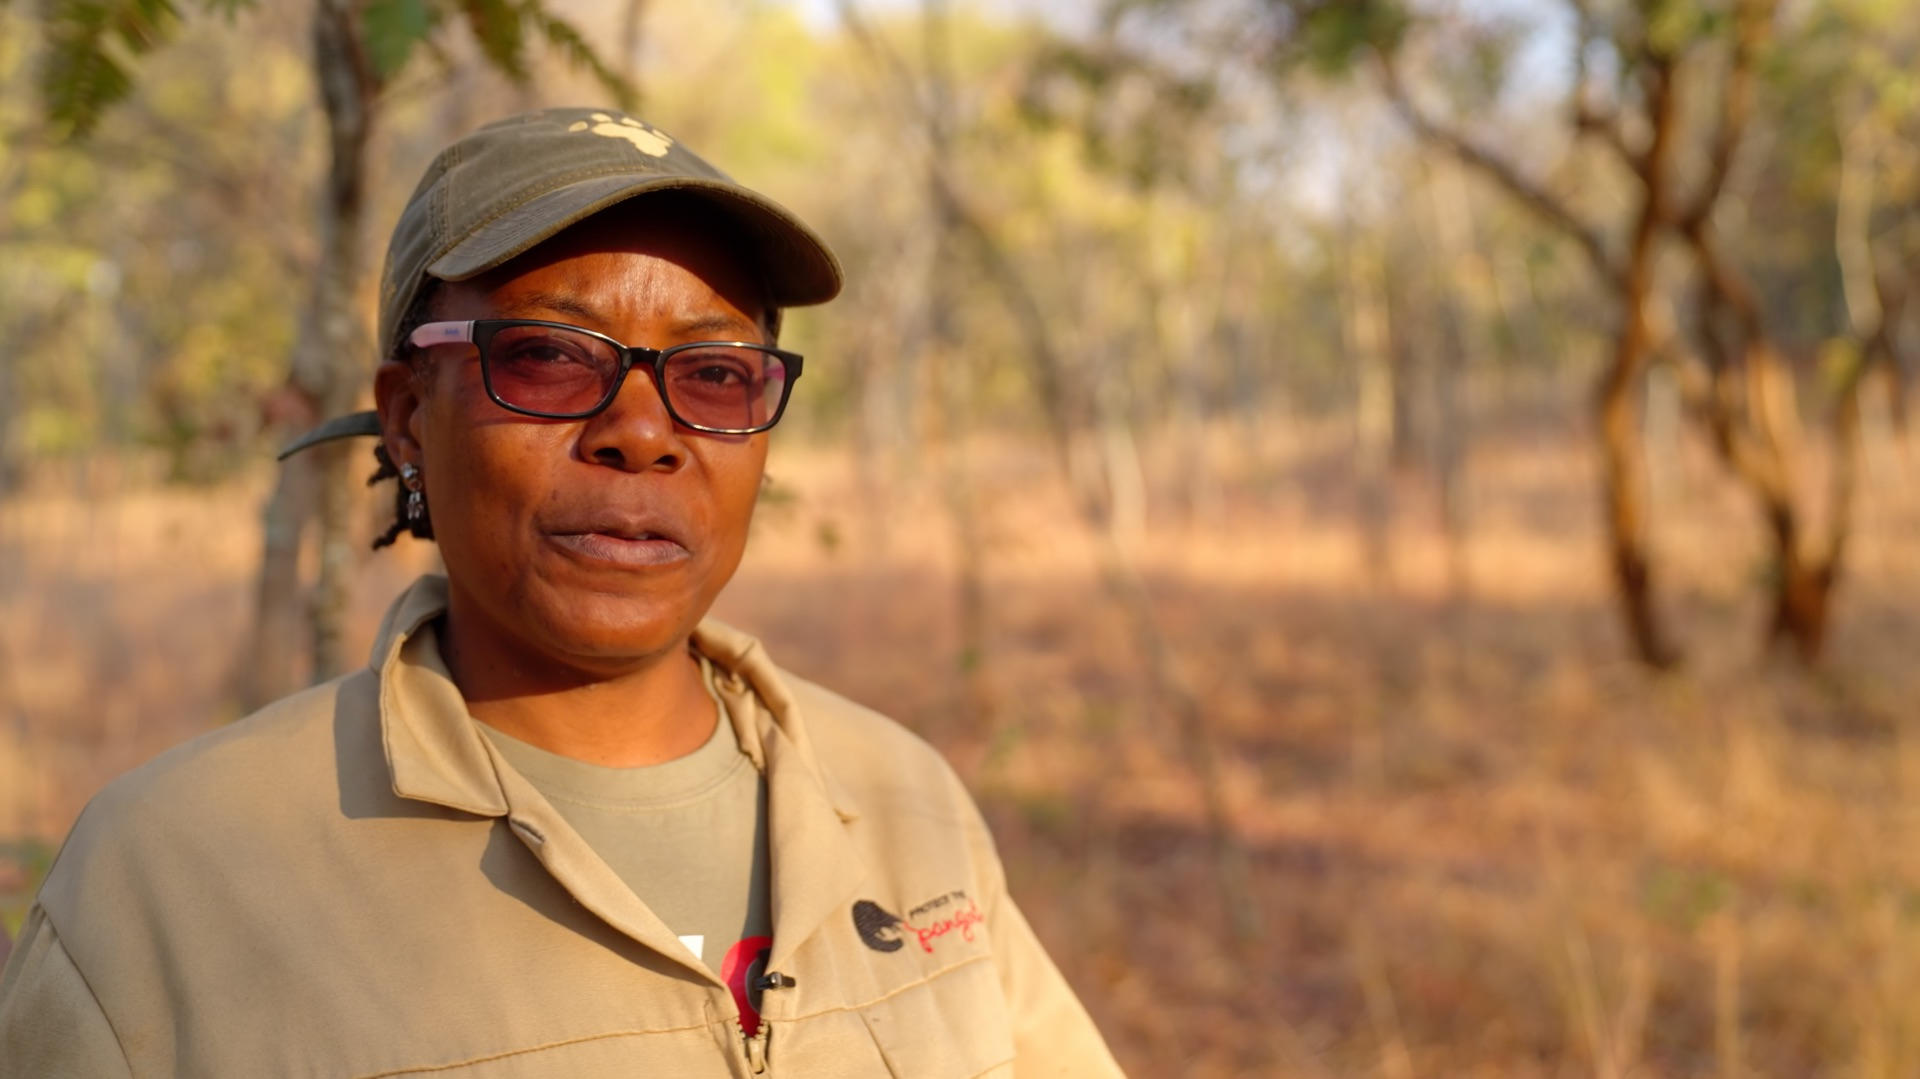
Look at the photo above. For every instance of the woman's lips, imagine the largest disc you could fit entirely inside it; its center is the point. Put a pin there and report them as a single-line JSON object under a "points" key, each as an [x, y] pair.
{"points": [[646, 549]]}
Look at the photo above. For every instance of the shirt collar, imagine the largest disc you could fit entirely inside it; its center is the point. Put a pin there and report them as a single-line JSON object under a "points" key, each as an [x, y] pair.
{"points": [[747, 673], [436, 754]]}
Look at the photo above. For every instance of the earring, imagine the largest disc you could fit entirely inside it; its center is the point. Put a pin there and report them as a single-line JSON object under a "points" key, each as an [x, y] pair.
{"points": [[416, 496]]}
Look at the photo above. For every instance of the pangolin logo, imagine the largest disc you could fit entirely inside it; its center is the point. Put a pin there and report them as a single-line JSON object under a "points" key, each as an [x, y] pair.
{"points": [[878, 929]]}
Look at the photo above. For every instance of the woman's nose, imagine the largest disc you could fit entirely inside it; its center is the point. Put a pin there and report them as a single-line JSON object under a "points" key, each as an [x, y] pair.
{"points": [[635, 432]]}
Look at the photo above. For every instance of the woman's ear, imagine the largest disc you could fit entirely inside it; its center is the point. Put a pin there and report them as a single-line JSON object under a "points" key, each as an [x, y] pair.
{"points": [[397, 394]]}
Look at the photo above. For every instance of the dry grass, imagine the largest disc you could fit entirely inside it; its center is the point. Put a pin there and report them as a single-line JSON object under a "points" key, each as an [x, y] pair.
{"points": [[1482, 843]]}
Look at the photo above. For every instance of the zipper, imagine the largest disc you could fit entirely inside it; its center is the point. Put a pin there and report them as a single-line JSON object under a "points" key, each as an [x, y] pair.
{"points": [[757, 1049]]}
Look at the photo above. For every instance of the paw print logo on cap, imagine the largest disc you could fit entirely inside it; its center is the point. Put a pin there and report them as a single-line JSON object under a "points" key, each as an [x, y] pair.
{"points": [[644, 139]]}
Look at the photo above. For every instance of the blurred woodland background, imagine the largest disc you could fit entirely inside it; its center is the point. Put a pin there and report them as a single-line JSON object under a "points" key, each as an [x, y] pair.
{"points": [[1403, 510]]}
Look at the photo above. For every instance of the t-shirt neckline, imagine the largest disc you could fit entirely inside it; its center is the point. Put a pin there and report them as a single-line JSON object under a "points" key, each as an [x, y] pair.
{"points": [[649, 786]]}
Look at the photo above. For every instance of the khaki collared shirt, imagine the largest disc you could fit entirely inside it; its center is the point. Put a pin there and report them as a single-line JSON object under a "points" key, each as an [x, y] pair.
{"points": [[353, 882]]}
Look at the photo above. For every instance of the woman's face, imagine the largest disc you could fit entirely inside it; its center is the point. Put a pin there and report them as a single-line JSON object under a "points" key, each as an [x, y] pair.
{"points": [[592, 544]]}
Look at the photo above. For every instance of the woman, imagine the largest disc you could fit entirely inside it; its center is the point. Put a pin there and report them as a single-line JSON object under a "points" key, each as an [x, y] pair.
{"points": [[560, 825]]}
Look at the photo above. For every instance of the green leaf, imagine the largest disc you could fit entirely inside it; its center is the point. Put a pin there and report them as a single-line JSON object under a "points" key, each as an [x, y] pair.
{"points": [[390, 30], [81, 75], [1674, 26], [563, 36], [78, 82], [144, 24], [90, 49], [1334, 36], [500, 28]]}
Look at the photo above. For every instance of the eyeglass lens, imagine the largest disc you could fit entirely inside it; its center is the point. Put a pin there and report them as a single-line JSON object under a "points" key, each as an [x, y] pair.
{"points": [[547, 369]]}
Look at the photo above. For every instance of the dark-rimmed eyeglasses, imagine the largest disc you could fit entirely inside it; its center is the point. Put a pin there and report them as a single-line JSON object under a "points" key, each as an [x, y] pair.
{"points": [[559, 372]]}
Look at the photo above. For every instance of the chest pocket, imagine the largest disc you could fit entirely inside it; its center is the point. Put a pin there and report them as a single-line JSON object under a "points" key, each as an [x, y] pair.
{"points": [[952, 1026]]}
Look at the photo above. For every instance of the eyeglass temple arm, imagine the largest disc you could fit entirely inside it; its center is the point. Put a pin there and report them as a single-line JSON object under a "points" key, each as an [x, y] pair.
{"points": [[360, 424], [441, 333]]}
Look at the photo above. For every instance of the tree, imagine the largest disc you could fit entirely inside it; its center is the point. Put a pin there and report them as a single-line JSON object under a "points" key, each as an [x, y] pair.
{"points": [[1663, 95], [967, 241], [358, 50], [1700, 61], [1649, 63]]}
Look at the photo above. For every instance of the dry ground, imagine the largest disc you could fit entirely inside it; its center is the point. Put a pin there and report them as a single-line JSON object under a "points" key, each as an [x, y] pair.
{"points": [[1478, 841]]}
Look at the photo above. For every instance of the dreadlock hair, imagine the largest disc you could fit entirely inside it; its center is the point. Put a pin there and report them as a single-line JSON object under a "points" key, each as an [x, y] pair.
{"points": [[420, 529], [417, 315]]}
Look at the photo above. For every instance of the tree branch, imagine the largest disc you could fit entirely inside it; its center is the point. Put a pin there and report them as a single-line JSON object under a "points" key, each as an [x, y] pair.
{"points": [[960, 216], [1588, 120], [1548, 206], [1893, 306], [1604, 125], [1119, 574], [1715, 400], [1753, 22]]}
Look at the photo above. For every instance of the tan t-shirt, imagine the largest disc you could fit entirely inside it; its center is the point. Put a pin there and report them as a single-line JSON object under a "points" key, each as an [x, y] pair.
{"points": [[689, 836]]}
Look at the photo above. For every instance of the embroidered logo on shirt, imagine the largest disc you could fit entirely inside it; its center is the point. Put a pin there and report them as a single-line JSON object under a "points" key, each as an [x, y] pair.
{"points": [[878, 929], [882, 931]]}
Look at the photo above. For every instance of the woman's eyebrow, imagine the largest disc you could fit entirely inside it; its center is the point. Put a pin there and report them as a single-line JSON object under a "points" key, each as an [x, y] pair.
{"points": [[715, 322], [556, 302]]}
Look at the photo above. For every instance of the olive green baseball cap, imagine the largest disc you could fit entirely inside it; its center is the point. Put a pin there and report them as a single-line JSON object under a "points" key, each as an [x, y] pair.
{"points": [[515, 183]]}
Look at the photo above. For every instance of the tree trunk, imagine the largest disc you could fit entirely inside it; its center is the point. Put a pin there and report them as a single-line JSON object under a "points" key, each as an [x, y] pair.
{"points": [[1803, 597], [952, 395], [343, 366], [1623, 482], [274, 668], [1624, 489], [9, 469], [1366, 337], [1623, 464], [1802, 600], [1804, 577], [1461, 342], [330, 366]]}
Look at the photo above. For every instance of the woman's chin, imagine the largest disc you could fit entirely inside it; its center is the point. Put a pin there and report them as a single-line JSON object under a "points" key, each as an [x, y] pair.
{"points": [[587, 616], [612, 633]]}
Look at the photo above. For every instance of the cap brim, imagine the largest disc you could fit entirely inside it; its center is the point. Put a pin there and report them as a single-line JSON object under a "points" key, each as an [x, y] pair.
{"points": [[798, 266], [353, 425]]}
